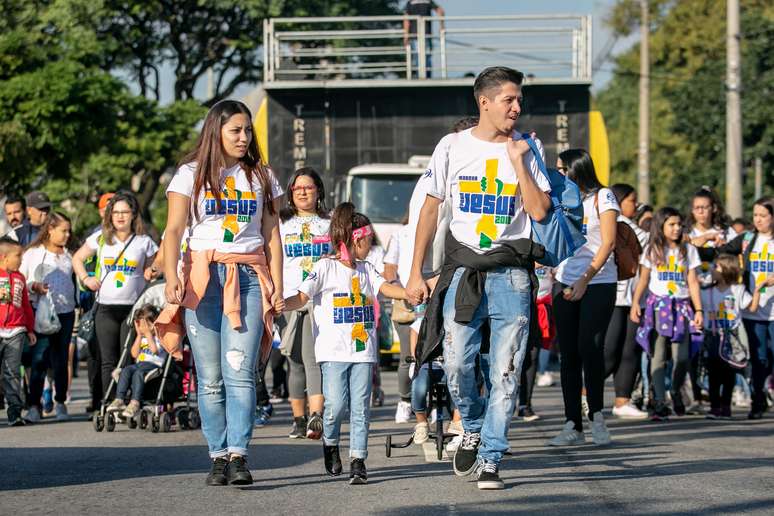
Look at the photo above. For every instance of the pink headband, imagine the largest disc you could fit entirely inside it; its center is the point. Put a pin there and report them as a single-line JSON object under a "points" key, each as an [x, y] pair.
{"points": [[357, 234]]}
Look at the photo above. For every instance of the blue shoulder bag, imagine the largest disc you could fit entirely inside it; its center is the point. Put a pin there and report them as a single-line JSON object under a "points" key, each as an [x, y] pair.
{"points": [[560, 231]]}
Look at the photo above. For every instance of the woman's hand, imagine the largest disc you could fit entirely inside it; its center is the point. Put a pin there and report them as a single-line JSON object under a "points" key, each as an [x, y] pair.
{"points": [[92, 283], [277, 302], [698, 320], [38, 288], [174, 291], [635, 312], [576, 290]]}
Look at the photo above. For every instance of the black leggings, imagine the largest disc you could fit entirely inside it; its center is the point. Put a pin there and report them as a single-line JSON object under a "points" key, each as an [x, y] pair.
{"points": [[111, 332], [722, 378], [622, 353], [581, 327]]}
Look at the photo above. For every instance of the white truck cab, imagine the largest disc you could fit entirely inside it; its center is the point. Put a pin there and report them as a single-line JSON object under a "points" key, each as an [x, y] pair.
{"points": [[382, 191]]}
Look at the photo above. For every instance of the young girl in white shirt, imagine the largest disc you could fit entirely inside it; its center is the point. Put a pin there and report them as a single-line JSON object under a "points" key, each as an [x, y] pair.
{"points": [[673, 310], [343, 291]]}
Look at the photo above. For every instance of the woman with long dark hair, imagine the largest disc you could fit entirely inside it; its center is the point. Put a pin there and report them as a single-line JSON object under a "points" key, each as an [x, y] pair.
{"points": [[304, 223], [47, 265], [231, 278], [124, 251], [584, 298]]}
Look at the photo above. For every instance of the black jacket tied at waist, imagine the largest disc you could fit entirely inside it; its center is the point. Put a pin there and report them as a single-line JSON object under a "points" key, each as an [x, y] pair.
{"points": [[520, 253]]}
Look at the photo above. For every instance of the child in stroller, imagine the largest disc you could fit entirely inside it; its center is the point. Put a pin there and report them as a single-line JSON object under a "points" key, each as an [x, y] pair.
{"points": [[149, 356]]}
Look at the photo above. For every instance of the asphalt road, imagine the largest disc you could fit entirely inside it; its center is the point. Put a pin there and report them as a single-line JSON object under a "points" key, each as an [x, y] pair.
{"points": [[689, 465]]}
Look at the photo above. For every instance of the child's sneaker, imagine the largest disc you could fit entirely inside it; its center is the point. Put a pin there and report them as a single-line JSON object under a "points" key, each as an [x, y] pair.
{"points": [[488, 477], [131, 410], [117, 405], [569, 436], [332, 460], [421, 432], [357, 472], [299, 428], [314, 427]]}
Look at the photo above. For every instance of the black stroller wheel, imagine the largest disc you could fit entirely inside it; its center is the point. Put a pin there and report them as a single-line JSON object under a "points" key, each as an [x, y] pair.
{"points": [[155, 425], [182, 418], [195, 420], [388, 446], [110, 422], [131, 422], [99, 423], [166, 422]]}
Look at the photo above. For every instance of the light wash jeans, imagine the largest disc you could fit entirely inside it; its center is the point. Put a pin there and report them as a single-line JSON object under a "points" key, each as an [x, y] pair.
{"points": [[506, 303], [347, 386], [225, 361]]}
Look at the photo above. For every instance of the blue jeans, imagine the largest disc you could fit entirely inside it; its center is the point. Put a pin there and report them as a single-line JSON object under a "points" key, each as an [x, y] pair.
{"points": [[133, 376], [421, 385], [760, 335], [347, 385], [505, 302], [225, 361]]}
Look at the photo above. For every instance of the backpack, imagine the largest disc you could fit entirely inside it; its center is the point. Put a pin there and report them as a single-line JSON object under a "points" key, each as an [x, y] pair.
{"points": [[627, 248], [560, 231]]}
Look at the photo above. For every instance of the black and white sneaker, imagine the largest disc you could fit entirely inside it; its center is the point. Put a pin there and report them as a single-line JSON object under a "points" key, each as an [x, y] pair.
{"points": [[465, 456], [357, 472], [217, 476], [299, 428], [488, 477], [237, 473], [314, 427], [332, 460]]}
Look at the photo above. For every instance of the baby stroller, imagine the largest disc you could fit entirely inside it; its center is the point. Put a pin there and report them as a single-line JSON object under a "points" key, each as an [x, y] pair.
{"points": [[438, 399]]}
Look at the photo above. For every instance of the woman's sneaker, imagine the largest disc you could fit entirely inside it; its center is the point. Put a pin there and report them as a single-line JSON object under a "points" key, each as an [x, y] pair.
{"points": [[332, 460], [454, 443], [314, 427], [237, 473], [217, 476], [660, 412], [455, 427], [357, 472], [545, 379], [421, 432], [299, 428], [488, 477], [569, 436], [527, 414], [599, 432], [61, 412], [465, 458], [629, 411], [714, 413], [33, 415], [403, 412]]}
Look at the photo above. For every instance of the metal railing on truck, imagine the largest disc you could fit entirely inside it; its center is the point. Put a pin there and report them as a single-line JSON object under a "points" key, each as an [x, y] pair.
{"points": [[343, 50]]}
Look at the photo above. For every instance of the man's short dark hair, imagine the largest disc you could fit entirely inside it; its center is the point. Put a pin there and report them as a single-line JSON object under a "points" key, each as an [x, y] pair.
{"points": [[494, 77], [13, 199]]}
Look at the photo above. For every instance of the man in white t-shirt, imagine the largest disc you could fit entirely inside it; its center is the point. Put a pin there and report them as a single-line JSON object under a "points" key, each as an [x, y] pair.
{"points": [[492, 183]]}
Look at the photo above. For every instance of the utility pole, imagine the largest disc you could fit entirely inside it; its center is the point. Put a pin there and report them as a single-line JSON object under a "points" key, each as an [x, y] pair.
{"points": [[643, 156], [733, 112], [758, 178]]}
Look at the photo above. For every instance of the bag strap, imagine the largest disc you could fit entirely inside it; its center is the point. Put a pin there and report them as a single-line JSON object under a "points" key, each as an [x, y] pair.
{"points": [[536, 152], [118, 258]]}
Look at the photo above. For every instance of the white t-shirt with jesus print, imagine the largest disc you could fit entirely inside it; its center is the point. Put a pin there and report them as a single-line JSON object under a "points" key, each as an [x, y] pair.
{"points": [[723, 308], [344, 319], [235, 225], [304, 241], [762, 267], [671, 278], [122, 282], [481, 183]]}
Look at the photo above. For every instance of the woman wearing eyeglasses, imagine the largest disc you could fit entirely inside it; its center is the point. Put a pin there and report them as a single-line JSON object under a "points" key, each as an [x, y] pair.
{"points": [[304, 229]]}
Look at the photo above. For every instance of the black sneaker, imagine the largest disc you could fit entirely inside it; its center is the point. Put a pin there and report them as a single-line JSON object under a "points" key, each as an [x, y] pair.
{"points": [[527, 414], [16, 421], [679, 406], [217, 476], [465, 456], [660, 412], [299, 428], [332, 460], [237, 472], [488, 478], [357, 472], [314, 427]]}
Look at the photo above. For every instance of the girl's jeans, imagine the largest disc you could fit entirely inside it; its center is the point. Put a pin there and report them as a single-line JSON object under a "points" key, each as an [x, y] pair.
{"points": [[347, 386]]}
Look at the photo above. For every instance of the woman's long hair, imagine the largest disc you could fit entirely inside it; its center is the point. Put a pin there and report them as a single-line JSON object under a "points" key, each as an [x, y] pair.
{"points": [[344, 220], [290, 210], [108, 230], [658, 240], [53, 220], [580, 170], [718, 217], [209, 158]]}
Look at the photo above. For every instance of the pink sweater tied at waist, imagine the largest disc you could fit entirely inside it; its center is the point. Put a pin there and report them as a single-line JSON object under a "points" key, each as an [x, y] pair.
{"points": [[170, 324]]}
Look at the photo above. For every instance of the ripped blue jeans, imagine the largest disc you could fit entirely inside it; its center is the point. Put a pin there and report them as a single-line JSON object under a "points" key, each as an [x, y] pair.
{"points": [[505, 302], [225, 361]]}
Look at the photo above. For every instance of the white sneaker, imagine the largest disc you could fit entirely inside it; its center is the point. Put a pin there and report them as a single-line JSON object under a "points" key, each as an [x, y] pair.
{"points": [[33, 415], [545, 379], [599, 432], [568, 436], [738, 398], [455, 427], [433, 416], [61, 412], [629, 411], [403, 412], [421, 433], [585, 406], [454, 443]]}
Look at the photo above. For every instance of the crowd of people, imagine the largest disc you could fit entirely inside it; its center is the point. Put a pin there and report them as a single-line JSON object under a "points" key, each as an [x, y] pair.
{"points": [[244, 259]]}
